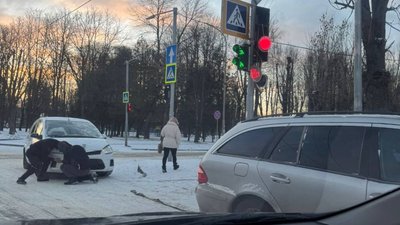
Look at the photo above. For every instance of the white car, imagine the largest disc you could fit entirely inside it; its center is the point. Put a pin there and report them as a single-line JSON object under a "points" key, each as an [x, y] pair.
{"points": [[76, 132]]}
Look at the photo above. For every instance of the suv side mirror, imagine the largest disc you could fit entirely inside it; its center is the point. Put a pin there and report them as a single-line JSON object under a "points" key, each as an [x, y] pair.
{"points": [[36, 136]]}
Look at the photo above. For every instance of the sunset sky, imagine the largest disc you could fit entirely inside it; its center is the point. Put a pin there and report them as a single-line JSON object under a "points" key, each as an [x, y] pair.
{"points": [[298, 19]]}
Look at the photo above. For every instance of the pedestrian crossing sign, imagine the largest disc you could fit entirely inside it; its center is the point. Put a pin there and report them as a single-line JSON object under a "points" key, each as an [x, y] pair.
{"points": [[170, 73], [235, 18]]}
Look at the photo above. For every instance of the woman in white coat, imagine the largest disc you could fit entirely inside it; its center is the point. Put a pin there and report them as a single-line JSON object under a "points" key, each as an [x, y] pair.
{"points": [[171, 138]]}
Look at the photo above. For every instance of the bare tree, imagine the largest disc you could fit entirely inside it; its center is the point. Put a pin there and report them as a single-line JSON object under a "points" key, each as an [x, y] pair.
{"points": [[375, 78], [328, 68], [58, 38], [94, 34]]}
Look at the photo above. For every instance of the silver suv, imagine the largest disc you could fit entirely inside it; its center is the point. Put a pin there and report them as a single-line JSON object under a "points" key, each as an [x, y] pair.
{"points": [[302, 163]]}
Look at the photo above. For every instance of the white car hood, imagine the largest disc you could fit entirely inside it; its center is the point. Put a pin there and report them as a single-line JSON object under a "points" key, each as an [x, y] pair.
{"points": [[89, 144]]}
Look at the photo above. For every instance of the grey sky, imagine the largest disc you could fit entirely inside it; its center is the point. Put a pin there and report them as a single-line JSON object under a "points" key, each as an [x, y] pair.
{"points": [[298, 19]]}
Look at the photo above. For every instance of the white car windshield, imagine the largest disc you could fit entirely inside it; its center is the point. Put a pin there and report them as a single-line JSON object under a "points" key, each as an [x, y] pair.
{"points": [[59, 128]]}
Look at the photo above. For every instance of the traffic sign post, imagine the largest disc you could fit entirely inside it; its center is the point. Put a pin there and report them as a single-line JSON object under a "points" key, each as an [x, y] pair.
{"points": [[171, 55], [125, 97], [217, 116], [170, 73], [235, 18], [170, 64]]}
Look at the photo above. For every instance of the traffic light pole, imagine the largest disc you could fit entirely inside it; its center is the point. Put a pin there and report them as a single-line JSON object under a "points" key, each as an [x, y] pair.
{"points": [[172, 90], [250, 83]]}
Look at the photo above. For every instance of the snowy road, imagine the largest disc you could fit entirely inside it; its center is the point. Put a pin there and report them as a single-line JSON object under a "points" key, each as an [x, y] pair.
{"points": [[110, 196]]}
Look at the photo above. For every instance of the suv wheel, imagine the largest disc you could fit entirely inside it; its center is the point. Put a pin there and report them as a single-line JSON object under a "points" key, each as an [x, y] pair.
{"points": [[251, 204]]}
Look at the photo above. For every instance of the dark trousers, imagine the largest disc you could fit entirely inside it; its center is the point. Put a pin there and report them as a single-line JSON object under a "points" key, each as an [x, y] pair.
{"points": [[73, 172], [166, 153], [37, 166]]}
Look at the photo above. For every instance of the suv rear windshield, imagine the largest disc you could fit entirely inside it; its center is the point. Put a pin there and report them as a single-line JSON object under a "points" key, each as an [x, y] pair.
{"points": [[250, 143]]}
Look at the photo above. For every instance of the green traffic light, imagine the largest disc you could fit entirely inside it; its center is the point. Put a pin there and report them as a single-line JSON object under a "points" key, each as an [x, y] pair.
{"points": [[239, 50], [241, 65], [241, 58], [238, 62], [235, 61]]}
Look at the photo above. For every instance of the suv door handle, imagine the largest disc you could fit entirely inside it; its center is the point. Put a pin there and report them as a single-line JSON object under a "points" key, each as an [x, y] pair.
{"points": [[279, 178]]}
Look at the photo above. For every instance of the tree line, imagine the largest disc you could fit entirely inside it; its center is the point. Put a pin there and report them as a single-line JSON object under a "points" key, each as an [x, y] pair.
{"points": [[63, 64]]}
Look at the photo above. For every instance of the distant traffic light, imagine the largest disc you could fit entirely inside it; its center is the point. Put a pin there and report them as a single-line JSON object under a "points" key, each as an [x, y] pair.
{"points": [[261, 34], [130, 107], [166, 92], [257, 77], [241, 60]]}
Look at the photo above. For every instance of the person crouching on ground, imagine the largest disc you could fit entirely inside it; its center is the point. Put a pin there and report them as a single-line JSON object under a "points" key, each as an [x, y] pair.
{"points": [[38, 160], [76, 164], [171, 138]]}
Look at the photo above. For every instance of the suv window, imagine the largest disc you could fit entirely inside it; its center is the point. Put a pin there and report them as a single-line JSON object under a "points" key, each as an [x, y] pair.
{"points": [[287, 148], [333, 148], [250, 143], [389, 154]]}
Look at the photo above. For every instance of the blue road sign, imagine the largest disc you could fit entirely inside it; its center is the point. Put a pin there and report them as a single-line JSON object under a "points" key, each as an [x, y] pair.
{"points": [[170, 73], [235, 18], [170, 54]]}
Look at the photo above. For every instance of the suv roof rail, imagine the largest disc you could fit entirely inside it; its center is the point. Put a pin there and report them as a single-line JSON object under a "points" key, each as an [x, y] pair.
{"points": [[302, 114]]}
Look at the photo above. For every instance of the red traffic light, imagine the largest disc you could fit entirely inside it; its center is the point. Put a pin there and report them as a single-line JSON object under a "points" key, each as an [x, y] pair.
{"points": [[264, 43], [130, 107], [255, 74]]}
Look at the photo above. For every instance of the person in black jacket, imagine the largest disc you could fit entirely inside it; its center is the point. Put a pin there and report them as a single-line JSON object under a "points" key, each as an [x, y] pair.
{"points": [[38, 159], [76, 164]]}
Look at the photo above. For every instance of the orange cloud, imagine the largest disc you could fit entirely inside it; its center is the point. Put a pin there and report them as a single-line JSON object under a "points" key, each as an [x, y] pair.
{"points": [[5, 19], [121, 9]]}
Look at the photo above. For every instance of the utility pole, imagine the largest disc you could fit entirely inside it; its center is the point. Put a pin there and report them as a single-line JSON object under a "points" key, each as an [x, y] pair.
{"points": [[250, 83], [126, 104], [224, 87], [357, 57], [174, 40]]}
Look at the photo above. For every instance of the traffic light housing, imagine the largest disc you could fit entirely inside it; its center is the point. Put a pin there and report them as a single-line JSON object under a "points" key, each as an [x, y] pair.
{"points": [[258, 77], [241, 60], [167, 92], [261, 31]]}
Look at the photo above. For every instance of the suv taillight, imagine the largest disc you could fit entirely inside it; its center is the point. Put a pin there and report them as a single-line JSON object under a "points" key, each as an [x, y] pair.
{"points": [[201, 175]]}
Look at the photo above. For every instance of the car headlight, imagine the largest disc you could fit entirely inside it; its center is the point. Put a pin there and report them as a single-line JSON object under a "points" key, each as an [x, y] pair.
{"points": [[107, 150]]}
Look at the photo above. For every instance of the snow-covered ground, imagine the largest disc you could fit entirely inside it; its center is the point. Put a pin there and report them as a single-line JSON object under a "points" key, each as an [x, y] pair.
{"points": [[124, 192], [118, 143]]}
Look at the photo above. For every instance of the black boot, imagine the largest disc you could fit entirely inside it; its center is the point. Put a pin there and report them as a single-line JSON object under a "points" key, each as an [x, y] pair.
{"points": [[164, 169], [21, 181], [176, 166]]}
